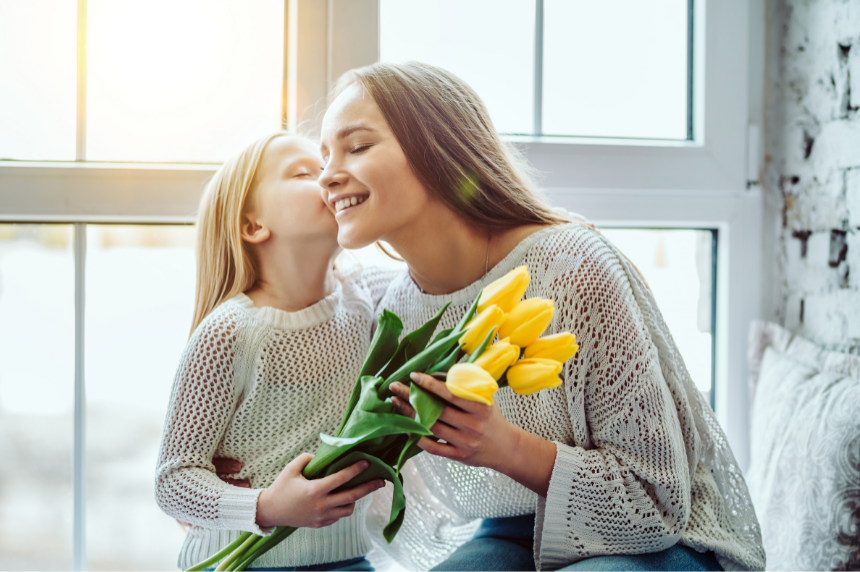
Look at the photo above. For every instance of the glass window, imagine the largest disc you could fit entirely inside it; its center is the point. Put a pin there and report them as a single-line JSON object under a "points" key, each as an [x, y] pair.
{"points": [[140, 295], [37, 357], [38, 71], [678, 266], [189, 81], [615, 68], [488, 43]]}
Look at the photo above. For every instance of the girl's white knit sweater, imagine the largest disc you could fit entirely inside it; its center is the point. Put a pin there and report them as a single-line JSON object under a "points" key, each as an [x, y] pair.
{"points": [[642, 463], [259, 385]]}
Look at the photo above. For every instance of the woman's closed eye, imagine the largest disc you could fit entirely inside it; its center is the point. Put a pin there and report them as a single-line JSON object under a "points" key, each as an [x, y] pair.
{"points": [[360, 148]]}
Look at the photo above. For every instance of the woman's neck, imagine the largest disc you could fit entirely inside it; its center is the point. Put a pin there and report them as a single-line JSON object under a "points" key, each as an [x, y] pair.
{"points": [[293, 277], [445, 254]]}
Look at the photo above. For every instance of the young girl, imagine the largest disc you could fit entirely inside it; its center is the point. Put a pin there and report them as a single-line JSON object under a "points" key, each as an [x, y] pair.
{"points": [[277, 341]]}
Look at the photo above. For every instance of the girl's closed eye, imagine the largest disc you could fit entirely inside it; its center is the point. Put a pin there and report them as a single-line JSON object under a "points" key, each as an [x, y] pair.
{"points": [[360, 148]]}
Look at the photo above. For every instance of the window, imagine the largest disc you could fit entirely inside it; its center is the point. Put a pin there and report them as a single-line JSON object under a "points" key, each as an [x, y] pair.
{"points": [[37, 372], [616, 68]]}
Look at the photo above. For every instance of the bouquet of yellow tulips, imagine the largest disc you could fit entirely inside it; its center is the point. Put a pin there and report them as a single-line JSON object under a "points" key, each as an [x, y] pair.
{"points": [[372, 431]]}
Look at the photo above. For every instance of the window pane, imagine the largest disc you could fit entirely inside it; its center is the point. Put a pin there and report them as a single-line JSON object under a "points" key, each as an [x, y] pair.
{"points": [[615, 68], [677, 264], [37, 381], [182, 81], [488, 43], [38, 79], [140, 293]]}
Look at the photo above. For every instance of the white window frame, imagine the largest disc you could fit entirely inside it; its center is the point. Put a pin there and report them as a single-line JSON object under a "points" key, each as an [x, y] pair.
{"points": [[710, 182]]}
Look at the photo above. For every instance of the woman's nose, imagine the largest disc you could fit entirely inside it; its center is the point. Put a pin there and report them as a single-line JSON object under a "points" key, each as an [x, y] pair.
{"points": [[332, 177]]}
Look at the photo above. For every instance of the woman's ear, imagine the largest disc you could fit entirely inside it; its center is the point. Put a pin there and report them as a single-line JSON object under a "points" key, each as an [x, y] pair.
{"points": [[252, 230]]}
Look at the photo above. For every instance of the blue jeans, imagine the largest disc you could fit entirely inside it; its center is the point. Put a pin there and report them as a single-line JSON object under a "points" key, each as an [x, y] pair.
{"points": [[507, 544], [360, 564]]}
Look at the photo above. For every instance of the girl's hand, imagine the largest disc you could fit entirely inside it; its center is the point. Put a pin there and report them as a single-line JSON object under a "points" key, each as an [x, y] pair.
{"points": [[292, 500], [479, 435]]}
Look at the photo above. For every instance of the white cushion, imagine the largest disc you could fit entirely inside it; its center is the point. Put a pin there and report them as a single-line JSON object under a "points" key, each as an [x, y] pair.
{"points": [[804, 475]]}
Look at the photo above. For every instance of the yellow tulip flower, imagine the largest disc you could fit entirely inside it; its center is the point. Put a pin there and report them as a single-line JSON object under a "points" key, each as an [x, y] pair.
{"points": [[560, 347], [530, 375], [497, 358], [527, 321], [480, 327], [506, 291], [471, 382]]}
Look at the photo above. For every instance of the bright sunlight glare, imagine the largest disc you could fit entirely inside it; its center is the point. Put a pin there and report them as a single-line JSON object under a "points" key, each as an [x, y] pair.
{"points": [[191, 81]]}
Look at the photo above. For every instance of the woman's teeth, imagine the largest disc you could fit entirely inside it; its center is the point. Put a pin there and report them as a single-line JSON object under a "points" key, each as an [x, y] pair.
{"points": [[350, 202]]}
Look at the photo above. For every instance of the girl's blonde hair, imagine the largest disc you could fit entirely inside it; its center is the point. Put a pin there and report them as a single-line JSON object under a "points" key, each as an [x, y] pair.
{"points": [[225, 264], [446, 133]]}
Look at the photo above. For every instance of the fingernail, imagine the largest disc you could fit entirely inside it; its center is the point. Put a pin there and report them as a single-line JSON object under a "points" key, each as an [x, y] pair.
{"points": [[414, 376], [380, 484], [364, 464], [396, 385]]}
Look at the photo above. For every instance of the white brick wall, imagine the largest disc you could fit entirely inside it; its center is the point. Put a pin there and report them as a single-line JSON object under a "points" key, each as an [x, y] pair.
{"points": [[812, 165]]}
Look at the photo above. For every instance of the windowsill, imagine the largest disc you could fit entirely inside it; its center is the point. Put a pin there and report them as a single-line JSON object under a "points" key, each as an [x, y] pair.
{"points": [[602, 141]]}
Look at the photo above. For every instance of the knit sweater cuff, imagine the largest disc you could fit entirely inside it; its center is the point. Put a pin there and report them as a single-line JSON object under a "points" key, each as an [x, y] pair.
{"points": [[552, 546], [238, 510]]}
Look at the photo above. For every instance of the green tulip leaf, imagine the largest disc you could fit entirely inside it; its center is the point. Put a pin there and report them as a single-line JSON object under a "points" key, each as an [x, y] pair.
{"points": [[443, 334], [382, 348], [467, 317], [377, 470], [421, 362], [477, 353], [447, 362], [413, 344]]}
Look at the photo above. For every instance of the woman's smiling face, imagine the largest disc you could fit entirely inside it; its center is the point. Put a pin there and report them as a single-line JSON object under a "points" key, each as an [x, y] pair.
{"points": [[367, 181]]}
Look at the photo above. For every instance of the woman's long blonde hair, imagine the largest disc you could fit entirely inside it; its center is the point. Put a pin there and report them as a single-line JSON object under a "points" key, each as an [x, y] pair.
{"points": [[225, 264], [446, 133]]}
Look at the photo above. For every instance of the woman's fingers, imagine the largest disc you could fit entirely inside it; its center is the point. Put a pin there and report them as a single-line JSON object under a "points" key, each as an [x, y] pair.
{"points": [[342, 511], [403, 407], [432, 384], [342, 477], [438, 449]]}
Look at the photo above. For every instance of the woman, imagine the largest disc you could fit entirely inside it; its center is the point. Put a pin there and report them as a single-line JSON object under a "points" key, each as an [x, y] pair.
{"points": [[621, 467]]}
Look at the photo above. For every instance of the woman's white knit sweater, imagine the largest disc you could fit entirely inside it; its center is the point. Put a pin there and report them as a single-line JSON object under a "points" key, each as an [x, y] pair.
{"points": [[259, 385], [642, 463]]}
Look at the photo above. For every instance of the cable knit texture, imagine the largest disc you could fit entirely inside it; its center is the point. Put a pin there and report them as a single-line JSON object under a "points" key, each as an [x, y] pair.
{"points": [[642, 463], [259, 385]]}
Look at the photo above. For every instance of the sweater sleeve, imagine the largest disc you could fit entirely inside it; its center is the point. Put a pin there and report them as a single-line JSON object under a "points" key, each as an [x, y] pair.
{"points": [[625, 488], [202, 403]]}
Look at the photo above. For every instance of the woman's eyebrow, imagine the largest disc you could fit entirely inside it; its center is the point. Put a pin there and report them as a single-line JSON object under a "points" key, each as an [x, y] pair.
{"points": [[350, 129]]}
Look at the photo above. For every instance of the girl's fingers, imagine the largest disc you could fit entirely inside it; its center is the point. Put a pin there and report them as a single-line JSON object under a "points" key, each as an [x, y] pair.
{"points": [[342, 477], [342, 511], [351, 496]]}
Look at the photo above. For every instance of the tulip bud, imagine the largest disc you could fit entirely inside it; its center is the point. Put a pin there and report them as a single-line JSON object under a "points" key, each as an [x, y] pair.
{"points": [[471, 382], [497, 358], [560, 347], [527, 321], [507, 291], [530, 375], [480, 327]]}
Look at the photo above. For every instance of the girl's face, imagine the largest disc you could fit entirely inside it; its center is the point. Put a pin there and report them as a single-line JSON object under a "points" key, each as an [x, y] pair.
{"points": [[286, 196], [367, 181]]}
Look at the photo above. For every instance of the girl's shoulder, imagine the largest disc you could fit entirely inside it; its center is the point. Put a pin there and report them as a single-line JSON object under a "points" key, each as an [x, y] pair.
{"points": [[223, 325], [368, 282]]}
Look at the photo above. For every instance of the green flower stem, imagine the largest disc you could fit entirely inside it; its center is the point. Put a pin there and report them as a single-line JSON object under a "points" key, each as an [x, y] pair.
{"points": [[259, 549], [224, 552], [236, 553]]}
